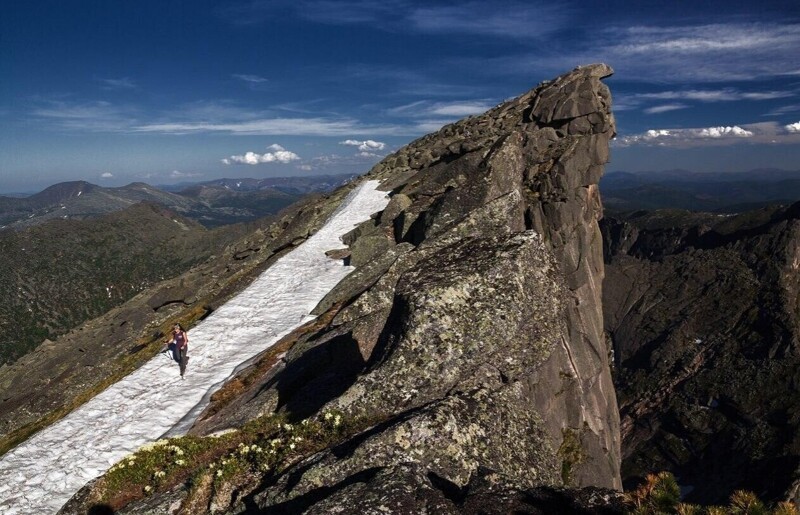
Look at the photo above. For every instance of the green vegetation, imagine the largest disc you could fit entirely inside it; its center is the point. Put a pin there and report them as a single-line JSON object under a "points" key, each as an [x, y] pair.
{"points": [[212, 464], [660, 494], [57, 275], [571, 453]]}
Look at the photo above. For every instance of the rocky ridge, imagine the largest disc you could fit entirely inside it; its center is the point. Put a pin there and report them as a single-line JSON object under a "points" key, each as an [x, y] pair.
{"points": [[469, 340]]}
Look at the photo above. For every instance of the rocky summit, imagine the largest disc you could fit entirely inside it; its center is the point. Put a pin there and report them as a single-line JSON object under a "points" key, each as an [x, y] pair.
{"points": [[466, 353]]}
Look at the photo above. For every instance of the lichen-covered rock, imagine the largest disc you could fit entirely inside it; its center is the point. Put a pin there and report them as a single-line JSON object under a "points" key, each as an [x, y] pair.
{"points": [[479, 310]]}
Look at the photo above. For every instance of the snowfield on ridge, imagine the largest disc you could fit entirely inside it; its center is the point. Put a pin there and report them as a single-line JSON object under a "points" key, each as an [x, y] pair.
{"points": [[43, 473]]}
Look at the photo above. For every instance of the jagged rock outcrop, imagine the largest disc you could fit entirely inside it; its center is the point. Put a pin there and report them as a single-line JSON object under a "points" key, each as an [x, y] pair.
{"points": [[704, 313], [468, 344]]}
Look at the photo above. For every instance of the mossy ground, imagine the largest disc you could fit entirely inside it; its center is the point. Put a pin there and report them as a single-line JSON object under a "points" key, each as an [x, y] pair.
{"points": [[213, 465]]}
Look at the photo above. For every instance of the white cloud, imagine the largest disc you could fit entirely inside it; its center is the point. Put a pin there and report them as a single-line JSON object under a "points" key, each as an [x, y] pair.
{"points": [[106, 175], [665, 108], [364, 146], [683, 136], [754, 133], [278, 154]]}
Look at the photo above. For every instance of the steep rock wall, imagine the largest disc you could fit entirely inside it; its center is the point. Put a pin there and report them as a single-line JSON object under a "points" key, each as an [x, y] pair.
{"points": [[472, 329], [703, 313]]}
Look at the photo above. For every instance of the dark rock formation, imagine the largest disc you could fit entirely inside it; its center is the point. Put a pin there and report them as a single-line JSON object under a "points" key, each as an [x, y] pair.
{"points": [[704, 313]]}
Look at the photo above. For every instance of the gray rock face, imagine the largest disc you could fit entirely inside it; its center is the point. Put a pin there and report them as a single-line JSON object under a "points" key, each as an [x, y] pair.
{"points": [[468, 344], [472, 333]]}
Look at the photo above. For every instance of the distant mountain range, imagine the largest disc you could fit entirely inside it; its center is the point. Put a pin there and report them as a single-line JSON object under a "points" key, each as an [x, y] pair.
{"points": [[291, 185], [55, 275], [76, 250], [212, 203], [728, 192]]}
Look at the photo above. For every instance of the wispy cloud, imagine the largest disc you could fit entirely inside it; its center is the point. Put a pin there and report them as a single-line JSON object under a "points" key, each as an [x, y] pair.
{"points": [[274, 127], [712, 52], [177, 174], [639, 100], [756, 133], [533, 19], [106, 175], [780, 111], [277, 154], [428, 116], [665, 108], [250, 78], [715, 95], [97, 116], [122, 83], [671, 54], [354, 162], [205, 117], [460, 108]]}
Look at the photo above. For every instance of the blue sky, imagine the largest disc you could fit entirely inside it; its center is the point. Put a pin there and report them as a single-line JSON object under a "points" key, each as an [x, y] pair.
{"points": [[167, 91]]}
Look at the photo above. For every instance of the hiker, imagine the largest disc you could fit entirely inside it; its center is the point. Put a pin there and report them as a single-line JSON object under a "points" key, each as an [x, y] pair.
{"points": [[179, 344]]}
